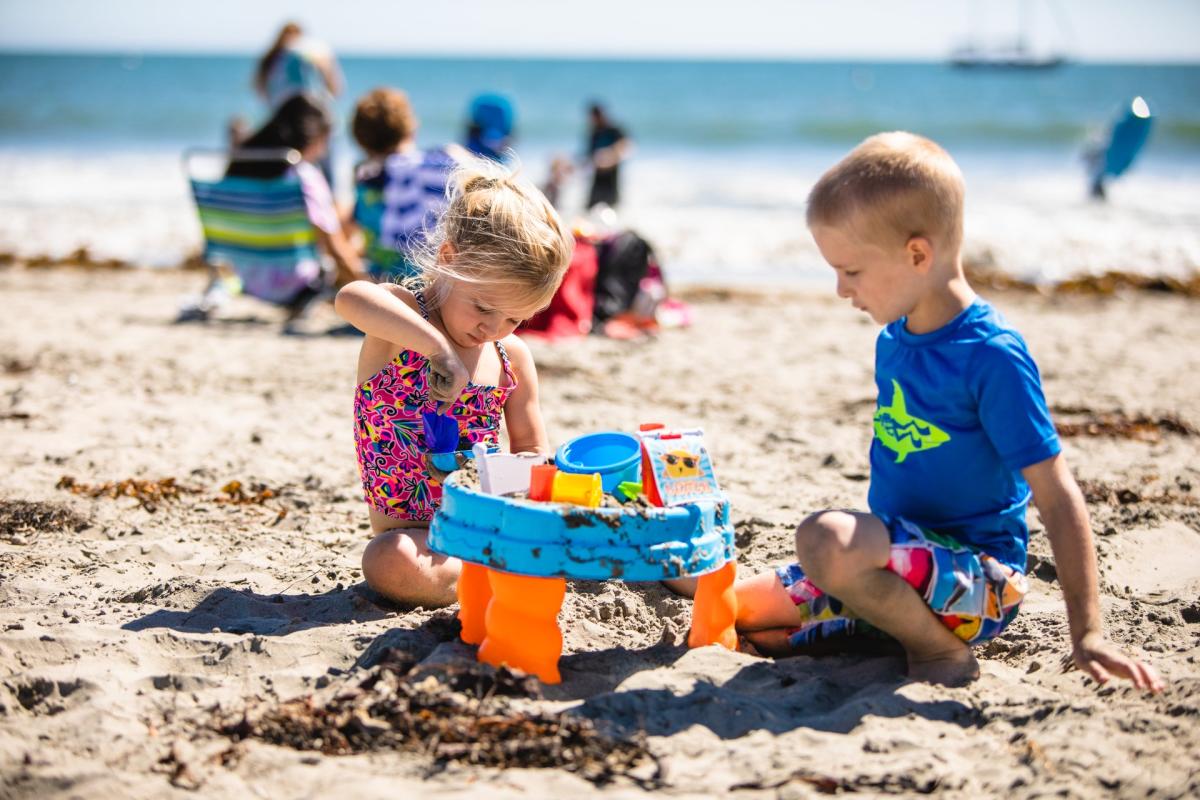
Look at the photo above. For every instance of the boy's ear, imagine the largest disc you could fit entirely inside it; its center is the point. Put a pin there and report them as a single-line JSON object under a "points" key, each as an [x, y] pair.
{"points": [[920, 253]]}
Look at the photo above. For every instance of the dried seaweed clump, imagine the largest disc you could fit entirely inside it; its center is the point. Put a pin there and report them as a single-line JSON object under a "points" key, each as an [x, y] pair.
{"points": [[148, 493], [1110, 494], [1114, 281], [452, 713], [20, 517], [983, 273], [1121, 424], [237, 493]]}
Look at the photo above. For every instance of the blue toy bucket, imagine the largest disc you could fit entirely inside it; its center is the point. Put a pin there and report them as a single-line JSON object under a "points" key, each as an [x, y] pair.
{"points": [[615, 455]]}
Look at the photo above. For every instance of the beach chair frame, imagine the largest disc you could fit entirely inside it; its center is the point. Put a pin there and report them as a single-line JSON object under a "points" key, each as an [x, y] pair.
{"points": [[256, 227]]}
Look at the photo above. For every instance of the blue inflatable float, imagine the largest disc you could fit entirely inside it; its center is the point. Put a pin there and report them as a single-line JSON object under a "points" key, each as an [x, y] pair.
{"points": [[1125, 142]]}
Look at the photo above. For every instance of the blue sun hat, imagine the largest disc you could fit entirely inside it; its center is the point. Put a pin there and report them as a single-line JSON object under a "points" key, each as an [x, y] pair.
{"points": [[491, 125]]}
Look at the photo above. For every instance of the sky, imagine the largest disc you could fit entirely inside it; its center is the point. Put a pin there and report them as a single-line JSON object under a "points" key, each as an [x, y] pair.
{"points": [[1088, 30]]}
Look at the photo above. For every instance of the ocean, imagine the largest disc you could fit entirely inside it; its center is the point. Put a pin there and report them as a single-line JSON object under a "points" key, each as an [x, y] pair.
{"points": [[91, 146]]}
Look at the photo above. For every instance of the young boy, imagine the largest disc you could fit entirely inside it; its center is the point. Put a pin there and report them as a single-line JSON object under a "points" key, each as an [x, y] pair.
{"points": [[400, 189], [962, 436]]}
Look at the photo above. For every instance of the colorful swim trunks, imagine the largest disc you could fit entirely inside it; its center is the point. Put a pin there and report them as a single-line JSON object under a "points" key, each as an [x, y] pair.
{"points": [[972, 593]]}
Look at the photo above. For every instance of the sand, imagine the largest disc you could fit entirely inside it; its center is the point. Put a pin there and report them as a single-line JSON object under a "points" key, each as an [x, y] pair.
{"points": [[135, 635]]}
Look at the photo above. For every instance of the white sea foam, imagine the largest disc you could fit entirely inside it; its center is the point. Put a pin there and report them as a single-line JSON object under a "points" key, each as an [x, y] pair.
{"points": [[729, 219]]}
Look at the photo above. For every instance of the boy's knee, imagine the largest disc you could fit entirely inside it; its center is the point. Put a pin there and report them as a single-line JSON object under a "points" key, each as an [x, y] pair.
{"points": [[824, 544]]}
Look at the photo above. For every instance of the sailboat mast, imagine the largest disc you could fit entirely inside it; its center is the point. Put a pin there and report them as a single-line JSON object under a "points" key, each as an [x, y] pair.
{"points": [[1024, 14]]}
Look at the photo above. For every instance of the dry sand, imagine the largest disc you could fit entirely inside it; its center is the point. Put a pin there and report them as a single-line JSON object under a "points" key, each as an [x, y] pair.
{"points": [[127, 635]]}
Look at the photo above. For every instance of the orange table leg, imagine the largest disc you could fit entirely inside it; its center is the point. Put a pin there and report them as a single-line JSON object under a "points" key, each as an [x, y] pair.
{"points": [[715, 609], [522, 624], [474, 593]]}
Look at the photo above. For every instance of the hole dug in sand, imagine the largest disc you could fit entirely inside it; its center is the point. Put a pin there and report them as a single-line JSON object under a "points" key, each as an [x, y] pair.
{"points": [[41, 695], [1152, 562]]}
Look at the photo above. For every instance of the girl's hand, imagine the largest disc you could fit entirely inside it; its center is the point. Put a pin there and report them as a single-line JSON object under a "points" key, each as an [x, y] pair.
{"points": [[1102, 660], [447, 377]]}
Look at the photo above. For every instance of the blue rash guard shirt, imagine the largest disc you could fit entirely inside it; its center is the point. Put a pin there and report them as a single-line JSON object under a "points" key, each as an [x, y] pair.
{"points": [[960, 413]]}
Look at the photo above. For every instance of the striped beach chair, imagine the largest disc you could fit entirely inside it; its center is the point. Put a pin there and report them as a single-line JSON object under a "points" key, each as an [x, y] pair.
{"points": [[259, 228]]}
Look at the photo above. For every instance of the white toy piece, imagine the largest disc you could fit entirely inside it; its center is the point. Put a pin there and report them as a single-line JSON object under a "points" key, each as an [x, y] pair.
{"points": [[504, 473]]}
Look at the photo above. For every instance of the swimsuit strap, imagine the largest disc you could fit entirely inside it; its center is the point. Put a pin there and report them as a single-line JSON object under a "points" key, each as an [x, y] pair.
{"points": [[505, 362], [420, 297]]}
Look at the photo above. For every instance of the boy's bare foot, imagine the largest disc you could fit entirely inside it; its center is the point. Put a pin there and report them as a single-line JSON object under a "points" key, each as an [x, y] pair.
{"points": [[951, 668]]}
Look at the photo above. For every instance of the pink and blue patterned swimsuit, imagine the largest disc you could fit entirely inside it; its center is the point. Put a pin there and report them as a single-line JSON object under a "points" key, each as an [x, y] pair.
{"points": [[390, 436]]}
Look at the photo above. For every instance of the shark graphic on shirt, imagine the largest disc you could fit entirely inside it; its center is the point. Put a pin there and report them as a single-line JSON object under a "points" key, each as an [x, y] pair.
{"points": [[904, 434]]}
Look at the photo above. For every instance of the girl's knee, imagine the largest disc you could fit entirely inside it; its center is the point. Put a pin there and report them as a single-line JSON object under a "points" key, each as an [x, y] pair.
{"points": [[394, 565], [387, 554], [763, 602]]}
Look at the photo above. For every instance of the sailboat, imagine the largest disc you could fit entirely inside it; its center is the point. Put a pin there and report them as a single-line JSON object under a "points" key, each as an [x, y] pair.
{"points": [[1015, 55]]}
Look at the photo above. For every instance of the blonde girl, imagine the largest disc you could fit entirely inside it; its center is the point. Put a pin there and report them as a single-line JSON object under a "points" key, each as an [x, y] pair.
{"points": [[444, 342]]}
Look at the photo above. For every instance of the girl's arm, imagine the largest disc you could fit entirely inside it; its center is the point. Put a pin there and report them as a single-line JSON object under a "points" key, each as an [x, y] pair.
{"points": [[380, 310], [323, 214], [522, 412], [1065, 516]]}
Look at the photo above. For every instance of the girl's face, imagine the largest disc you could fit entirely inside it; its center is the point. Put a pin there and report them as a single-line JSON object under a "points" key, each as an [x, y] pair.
{"points": [[474, 316], [316, 149]]}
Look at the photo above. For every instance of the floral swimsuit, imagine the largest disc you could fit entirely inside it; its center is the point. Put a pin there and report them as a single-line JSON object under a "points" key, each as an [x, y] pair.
{"points": [[390, 435]]}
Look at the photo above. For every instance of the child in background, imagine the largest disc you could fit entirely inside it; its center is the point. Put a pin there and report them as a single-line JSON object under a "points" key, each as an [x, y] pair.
{"points": [[301, 125], [962, 436], [400, 190], [444, 342], [560, 171]]}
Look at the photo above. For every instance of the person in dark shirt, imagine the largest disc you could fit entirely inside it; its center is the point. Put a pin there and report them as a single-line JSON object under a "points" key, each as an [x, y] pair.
{"points": [[607, 147]]}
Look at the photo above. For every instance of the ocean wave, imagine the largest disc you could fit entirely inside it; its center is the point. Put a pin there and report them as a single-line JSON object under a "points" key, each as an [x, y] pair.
{"points": [[723, 220]]}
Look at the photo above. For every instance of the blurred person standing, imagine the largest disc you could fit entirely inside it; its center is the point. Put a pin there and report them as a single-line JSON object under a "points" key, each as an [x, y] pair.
{"points": [[607, 147], [297, 64]]}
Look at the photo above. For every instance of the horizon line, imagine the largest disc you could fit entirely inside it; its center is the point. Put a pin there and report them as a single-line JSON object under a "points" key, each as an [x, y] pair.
{"points": [[576, 56]]}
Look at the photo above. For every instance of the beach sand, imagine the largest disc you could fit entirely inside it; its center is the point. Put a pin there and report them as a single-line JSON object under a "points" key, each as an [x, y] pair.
{"points": [[134, 635]]}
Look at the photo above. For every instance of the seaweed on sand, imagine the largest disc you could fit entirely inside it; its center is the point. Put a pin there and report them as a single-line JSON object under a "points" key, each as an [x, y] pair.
{"points": [[148, 493], [1120, 424], [19, 517], [984, 274], [452, 713]]}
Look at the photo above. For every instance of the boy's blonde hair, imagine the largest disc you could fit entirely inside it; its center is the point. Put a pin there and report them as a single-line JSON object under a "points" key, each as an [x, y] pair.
{"points": [[890, 188], [503, 235]]}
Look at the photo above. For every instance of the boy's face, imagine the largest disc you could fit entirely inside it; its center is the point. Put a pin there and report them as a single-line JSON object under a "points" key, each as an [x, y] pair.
{"points": [[879, 280]]}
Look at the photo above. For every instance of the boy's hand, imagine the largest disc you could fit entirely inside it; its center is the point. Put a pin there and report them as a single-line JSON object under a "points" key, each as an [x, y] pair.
{"points": [[447, 376], [1102, 660]]}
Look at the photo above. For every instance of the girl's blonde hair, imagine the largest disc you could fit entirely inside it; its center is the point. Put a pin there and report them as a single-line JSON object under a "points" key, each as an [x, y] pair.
{"points": [[502, 234]]}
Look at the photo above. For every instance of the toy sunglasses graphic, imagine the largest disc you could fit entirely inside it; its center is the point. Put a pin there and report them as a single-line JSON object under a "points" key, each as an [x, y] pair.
{"points": [[688, 461]]}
